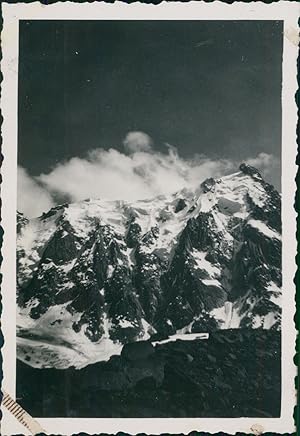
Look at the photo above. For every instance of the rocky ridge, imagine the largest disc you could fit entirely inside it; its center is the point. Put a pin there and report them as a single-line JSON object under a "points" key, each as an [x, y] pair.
{"points": [[98, 274]]}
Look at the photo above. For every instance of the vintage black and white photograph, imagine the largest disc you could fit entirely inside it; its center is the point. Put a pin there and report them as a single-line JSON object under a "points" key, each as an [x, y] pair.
{"points": [[149, 222], [149, 218]]}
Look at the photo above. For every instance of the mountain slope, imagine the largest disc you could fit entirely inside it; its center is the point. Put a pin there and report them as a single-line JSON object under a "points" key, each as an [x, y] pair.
{"points": [[97, 274]]}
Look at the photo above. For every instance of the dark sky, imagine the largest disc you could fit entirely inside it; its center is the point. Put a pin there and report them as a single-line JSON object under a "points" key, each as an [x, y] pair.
{"points": [[210, 87]]}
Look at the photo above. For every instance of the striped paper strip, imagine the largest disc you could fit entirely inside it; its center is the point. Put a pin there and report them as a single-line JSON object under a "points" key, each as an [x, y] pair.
{"points": [[21, 415]]}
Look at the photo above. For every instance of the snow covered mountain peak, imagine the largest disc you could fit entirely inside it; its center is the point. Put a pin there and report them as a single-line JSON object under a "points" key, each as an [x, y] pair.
{"points": [[97, 274]]}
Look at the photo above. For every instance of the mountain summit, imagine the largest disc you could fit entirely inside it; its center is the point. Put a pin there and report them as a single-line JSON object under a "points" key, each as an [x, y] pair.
{"points": [[97, 274]]}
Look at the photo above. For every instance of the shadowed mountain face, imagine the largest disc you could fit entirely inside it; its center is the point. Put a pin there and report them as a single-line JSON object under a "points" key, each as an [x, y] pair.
{"points": [[95, 275], [234, 373]]}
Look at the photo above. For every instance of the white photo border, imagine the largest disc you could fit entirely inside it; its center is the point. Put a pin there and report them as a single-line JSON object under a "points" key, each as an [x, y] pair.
{"points": [[289, 12]]}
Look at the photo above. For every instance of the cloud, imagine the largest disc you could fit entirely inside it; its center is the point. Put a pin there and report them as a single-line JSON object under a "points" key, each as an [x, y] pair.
{"points": [[111, 174], [269, 167], [32, 198], [264, 162], [137, 141], [143, 173]]}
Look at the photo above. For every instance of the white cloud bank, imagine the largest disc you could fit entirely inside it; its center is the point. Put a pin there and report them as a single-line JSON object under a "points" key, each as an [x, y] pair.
{"points": [[137, 141], [32, 198], [111, 174]]}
